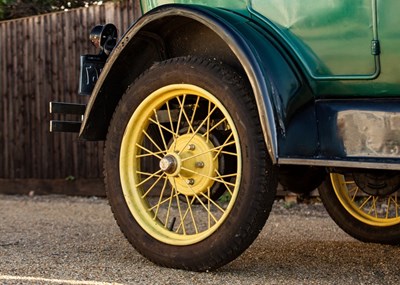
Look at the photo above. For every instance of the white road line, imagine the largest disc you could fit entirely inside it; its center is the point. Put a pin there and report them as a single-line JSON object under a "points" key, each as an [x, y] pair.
{"points": [[58, 281]]}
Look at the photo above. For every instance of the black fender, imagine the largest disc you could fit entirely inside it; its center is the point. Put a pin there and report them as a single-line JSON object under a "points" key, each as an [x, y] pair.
{"points": [[180, 30]]}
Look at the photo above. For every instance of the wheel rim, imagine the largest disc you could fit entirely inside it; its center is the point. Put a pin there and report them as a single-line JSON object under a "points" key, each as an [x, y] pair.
{"points": [[372, 210], [169, 164]]}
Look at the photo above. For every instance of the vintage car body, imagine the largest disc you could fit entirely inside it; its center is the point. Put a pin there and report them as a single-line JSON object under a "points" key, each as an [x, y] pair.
{"points": [[324, 79], [305, 62]]}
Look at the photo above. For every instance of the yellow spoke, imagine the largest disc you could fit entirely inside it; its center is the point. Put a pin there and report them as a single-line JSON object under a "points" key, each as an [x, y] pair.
{"points": [[169, 117], [161, 126], [148, 151], [209, 177], [191, 214], [180, 115], [195, 107], [365, 202], [153, 185], [208, 123], [159, 129], [225, 144], [213, 202], [198, 129], [189, 210], [179, 211], [152, 141], [151, 154], [180, 216], [163, 201], [373, 207], [198, 198], [349, 182], [148, 178], [355, 193], [170, 203], [185, 115], [388, 208], [355, 188], [150, 174], [215, 126], [229, 153], [226, 175], [217, 148], [159, 199], [226, 186], [210, 112]]}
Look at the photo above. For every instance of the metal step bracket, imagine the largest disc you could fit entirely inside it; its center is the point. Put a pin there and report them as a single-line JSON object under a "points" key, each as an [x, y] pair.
{"points": [[66, 109]]}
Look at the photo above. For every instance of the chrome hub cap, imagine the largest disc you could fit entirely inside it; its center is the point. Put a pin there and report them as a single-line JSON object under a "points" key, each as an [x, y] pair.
{"points": [[168, 164]]}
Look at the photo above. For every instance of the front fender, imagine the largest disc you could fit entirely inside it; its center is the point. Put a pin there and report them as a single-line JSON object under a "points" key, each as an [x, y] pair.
{"points": [[236, 39]]}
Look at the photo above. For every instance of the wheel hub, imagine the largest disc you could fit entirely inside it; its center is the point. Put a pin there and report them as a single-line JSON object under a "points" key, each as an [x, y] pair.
{"points": [[168, 164], [190, 164], [379, 183]]}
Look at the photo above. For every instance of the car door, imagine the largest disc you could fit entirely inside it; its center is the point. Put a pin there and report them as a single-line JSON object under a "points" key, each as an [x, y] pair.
{"points": [[332, 38]]}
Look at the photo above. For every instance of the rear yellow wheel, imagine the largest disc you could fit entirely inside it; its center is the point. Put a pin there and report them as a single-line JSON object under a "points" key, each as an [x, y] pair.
{"points": [[370, 213], [374, 210], [187, 172]]}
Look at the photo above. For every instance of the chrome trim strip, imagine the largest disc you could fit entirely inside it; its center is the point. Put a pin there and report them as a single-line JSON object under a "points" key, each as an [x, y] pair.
{"points": [[340, 163]]}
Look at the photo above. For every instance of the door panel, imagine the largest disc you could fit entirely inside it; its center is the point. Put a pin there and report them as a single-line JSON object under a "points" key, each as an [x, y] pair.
{"points": [[332, 37]]}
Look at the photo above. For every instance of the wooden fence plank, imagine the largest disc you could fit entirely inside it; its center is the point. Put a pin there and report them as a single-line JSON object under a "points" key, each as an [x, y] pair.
{"points": [[9, 130], [39, 62], [2, 100]]}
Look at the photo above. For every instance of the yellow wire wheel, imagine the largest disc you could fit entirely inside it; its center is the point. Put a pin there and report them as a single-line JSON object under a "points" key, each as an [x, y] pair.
{"points": [[172, 201], [368, 215], [374, 210], [187, 172]]}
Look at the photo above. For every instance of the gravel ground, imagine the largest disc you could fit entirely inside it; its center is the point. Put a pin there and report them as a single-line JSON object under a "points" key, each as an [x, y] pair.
{"points": [[69, 240]]}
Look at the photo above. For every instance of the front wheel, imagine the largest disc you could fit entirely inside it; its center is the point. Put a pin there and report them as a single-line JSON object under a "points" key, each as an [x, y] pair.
{"points": [[365, 205], [187, 174]]}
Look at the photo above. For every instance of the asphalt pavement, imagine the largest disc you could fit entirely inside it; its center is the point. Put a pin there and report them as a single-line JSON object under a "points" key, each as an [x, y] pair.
{"points": [[70, 240]]}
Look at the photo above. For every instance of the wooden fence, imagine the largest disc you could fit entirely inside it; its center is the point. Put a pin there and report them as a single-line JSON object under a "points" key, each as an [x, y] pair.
{"points": [[39, 62]]}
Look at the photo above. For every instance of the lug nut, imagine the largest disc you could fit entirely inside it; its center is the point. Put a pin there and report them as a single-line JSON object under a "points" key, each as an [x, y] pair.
{"points": [[199, 164], [191, 147], [190, 181]]}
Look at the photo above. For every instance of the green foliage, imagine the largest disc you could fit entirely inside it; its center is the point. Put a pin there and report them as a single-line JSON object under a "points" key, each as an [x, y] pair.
{"points": [[12, 9]]}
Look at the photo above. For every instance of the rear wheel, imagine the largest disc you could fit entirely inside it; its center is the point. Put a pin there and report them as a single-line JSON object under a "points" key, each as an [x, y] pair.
{"points": [[187, 173], [365, 205]]}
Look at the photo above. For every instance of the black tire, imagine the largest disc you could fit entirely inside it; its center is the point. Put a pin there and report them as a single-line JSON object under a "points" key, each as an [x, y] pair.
{"points": [[205, 233], [357, 215]]}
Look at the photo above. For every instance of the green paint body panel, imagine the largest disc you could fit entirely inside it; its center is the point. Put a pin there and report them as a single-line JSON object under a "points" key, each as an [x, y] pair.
{"points": [[331, 40]]}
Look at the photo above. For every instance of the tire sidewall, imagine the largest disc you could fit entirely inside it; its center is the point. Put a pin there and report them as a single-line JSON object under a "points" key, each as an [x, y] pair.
{"points": [[353, 226], [230, 233]]}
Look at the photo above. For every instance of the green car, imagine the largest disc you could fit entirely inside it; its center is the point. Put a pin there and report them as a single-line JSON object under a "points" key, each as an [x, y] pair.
{"points": [[206, 105]]}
